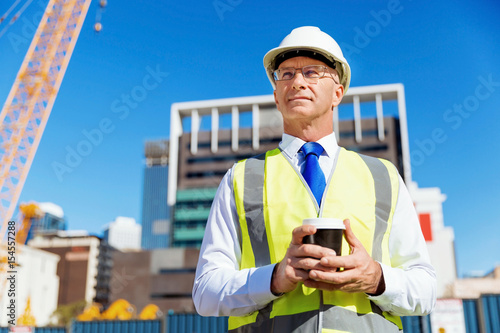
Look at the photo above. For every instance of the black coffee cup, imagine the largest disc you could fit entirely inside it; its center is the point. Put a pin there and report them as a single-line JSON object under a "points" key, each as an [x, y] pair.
{"points": [[328, 234]]}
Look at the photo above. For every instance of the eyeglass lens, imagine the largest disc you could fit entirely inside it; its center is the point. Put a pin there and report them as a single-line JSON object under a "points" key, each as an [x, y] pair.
{"points": [[309, 72]]}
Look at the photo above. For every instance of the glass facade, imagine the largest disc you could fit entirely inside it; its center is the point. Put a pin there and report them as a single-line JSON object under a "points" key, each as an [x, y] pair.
{"points": [[155, 210], [191, 212], [47, 224]]}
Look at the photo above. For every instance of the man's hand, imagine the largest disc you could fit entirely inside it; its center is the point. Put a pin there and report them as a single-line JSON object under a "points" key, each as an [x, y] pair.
{"points": [[361, 273], [298, 261]]}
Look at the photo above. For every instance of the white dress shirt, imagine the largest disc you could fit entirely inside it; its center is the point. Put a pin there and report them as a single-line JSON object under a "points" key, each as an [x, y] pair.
{"points": [[222, 289]]}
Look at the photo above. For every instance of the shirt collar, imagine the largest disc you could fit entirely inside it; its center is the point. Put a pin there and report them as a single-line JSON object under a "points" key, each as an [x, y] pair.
{"points": [[291, 145]]}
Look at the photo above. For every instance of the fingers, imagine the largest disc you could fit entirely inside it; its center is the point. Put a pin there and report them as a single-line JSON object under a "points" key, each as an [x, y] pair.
{"points": [[325, 285], [357, 253], [297, 269], [348, 281], [306, 263], [315, 265], [353, 280], [298, 261], [297, 275], [292, 269], [333, 277], [284, 278], [359, 273], [349, 235], [300, 232]]}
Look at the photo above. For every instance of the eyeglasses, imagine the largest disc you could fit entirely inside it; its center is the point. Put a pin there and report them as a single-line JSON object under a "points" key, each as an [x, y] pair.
{"points": [[311, 73]]}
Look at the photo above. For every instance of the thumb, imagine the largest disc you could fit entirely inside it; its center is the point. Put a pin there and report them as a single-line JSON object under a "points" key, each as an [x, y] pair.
{"points": [[349, 235]]}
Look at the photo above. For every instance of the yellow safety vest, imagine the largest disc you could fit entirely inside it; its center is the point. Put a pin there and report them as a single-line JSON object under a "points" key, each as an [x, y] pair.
{"points": [[272, 199]]}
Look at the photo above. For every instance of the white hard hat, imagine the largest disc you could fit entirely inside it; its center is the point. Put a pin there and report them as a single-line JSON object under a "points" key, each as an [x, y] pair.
{"points": [[319, 44]]}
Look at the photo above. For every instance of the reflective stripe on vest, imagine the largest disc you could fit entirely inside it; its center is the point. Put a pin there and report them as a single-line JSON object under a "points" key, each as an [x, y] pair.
{"points": [[254, 215], [286, 200]]}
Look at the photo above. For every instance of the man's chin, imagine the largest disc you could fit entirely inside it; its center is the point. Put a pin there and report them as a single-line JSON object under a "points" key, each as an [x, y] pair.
{"points": [[299, 111]]}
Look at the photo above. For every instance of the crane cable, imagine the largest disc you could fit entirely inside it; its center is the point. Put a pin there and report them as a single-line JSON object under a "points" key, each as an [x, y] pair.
{"points": [[4, 16], [16, 16]]}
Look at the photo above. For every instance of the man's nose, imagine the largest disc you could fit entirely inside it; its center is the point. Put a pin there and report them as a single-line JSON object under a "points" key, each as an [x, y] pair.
{"points": [[298, 81]]}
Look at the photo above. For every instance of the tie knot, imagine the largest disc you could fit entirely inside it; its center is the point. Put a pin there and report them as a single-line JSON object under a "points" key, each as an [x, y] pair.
{"points": [[312, 148]]}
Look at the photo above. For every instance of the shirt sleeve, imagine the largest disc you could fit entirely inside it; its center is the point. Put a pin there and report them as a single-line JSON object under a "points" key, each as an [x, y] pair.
{"points": [[220, 287], [410, 282]]}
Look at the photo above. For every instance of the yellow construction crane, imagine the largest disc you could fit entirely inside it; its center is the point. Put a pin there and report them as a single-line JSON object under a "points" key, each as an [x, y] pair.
{"points": [[26, 111], [27, 318], [29, 103], [28, 212]]}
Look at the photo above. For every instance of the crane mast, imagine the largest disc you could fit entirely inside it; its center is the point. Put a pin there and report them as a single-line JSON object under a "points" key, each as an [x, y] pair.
{"points": [[29, 103]]}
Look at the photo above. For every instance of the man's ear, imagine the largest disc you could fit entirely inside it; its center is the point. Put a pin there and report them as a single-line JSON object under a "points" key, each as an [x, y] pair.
{"points": [[276, 100], [338, 94]]}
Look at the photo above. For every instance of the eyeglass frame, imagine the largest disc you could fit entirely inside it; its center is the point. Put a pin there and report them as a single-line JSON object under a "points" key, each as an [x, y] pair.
{"points": [[308, 79]]}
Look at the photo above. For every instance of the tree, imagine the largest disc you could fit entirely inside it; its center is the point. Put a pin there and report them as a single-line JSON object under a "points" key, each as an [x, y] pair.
{"points": [[64, 314]]}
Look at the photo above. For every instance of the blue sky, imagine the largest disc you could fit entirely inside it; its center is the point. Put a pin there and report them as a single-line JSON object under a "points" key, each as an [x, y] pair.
{"points": [[445, 54]]}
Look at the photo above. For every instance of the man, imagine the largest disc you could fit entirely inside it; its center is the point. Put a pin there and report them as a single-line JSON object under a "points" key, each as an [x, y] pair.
{"points": [[253, 265]]}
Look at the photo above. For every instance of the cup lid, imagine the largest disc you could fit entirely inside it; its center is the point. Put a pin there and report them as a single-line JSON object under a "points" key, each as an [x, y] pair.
{"points": [[324, 223]]}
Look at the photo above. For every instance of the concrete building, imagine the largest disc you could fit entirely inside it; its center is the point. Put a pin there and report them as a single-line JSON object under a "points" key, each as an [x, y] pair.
{"points": [[163, 277], [474, 287], [35, 279], [440, 238], [78, 269], [173, 277], [130, 277], [123, 234]]}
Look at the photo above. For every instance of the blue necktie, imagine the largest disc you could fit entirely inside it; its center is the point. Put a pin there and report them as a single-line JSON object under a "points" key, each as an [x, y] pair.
{"points": [[312, 171]]}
